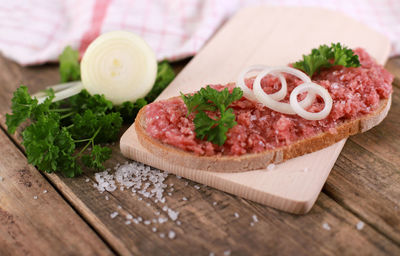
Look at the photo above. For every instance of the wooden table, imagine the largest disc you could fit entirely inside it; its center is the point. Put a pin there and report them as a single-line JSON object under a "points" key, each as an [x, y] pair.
{"points": [[73, 218]]}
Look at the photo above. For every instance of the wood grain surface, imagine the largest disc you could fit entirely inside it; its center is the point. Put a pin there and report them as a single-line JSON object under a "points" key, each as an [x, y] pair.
{"points": [[273, 30], [363, 186], [34, 218]]}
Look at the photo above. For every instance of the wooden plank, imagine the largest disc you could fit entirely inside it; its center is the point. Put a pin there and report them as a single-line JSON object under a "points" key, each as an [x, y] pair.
{"points": [[268, 42], [34, 218], [205, 228], [367, 174]]}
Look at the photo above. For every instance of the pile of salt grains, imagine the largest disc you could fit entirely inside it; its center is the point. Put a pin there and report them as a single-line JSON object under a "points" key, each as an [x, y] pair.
{"points": [[144, 181]]}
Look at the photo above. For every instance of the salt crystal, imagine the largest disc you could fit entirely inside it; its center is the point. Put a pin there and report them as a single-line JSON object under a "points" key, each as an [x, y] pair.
{"points": [[270, 167], [165, 208], [169, 193], [135, 221], [87, 180], [255, 219], [139, 219], [179, 177], [251, 223], [35, 197], [157, 213], [360, 225], [162, 235], [148, 204], [140, 199], [184, 198], [178, 223], [236, 215], [127, 222], [154, 221], [106, 197], [214, 203], [171, 234], [227, 253], [173, 215], [113, 215], [196, 186], [326, 226], [161, 220], [147, 222], [119, 207], [154, 229], [211, 254], [129, 217], [44, 191], [186, 183]]}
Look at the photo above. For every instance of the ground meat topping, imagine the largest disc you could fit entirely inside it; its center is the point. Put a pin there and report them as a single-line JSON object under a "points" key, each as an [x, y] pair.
{"points": [[355, 92]]}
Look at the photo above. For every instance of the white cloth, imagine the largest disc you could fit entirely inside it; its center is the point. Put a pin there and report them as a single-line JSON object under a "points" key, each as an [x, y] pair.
{"points": [[36, 31]]}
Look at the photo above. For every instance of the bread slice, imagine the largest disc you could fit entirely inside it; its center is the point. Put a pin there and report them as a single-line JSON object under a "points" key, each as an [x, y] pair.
{"points": [[260, 160]]}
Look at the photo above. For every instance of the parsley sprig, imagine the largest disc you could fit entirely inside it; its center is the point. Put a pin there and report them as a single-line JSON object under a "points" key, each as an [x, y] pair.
{"points": [[215, 125], [60, 134], [325, 57]]}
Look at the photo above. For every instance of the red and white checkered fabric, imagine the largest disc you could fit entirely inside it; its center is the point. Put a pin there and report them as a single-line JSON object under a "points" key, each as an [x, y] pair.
{"points": [[36, 31]]}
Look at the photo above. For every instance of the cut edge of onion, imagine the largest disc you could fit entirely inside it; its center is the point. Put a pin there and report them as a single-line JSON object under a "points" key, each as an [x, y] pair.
{"points": [[311, 87]]}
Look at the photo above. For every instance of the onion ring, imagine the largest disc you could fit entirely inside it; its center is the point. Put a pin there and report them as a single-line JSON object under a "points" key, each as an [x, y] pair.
{"points": [[311, 87]]}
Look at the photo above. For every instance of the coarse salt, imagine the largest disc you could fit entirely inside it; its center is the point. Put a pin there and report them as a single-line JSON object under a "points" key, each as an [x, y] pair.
{"points": [[154, 229], [360, 225], [44, 191], [171, 234], [35, 197], [113, 215], [326, 226], [196, 187], [227, 253], [255, 219], [147, 222], [236, 215], [184, 198], [270, 167], [129, 217], [87, 180]]}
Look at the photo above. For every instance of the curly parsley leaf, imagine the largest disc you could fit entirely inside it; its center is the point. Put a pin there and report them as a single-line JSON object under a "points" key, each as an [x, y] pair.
{"points": [[325, 57], [215, 127], [129, 110], [97, 156], [165, 74], [70, 69], [22, 106]]}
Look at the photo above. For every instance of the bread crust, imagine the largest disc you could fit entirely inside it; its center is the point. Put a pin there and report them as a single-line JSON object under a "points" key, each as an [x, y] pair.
{"points": [[260, 160]]}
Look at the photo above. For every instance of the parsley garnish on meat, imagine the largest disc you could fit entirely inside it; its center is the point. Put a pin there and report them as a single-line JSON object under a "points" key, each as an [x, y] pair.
{"points": [[325, 57], [60, 134], [215, 125]]}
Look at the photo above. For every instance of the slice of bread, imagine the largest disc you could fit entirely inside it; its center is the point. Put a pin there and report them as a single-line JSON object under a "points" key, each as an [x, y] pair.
{"points": [[260, 160]]}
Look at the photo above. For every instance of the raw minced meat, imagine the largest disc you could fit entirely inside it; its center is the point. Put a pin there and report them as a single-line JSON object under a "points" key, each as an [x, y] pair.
{"points": [[355, 92]]}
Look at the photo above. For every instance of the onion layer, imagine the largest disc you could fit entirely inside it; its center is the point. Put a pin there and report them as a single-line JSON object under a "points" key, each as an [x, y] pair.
{"points": [[273, 103], [311, 87]]}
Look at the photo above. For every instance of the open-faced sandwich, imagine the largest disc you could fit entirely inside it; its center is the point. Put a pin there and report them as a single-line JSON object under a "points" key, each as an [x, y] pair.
{"points": [[281, 113]]}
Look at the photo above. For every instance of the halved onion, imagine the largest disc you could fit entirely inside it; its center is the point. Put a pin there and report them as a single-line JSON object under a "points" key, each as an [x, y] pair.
{"points": [[274, 104], [315, 88], [118, 64]]}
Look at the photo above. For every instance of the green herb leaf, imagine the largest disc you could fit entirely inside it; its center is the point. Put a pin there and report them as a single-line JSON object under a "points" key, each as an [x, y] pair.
{"points": [[165, 74], [69, 65], [129, 110], [325, 57], [22, 106], [97, 156], [212, 128]]}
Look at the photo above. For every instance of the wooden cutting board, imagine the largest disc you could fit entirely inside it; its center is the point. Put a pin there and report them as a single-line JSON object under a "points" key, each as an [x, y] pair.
{"points": [[270, 36]]}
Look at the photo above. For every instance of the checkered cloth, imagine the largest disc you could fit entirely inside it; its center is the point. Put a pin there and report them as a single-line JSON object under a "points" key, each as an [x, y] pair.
{"points": [[36, 31]]}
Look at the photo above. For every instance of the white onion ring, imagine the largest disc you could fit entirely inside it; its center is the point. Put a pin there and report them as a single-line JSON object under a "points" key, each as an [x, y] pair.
{"points": [[272, 103], [311, 87], [248, 93]]}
